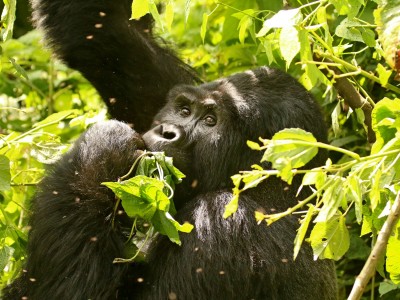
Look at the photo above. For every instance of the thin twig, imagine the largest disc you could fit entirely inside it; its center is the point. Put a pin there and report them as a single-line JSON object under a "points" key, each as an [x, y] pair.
{"points": [[379, 249]]}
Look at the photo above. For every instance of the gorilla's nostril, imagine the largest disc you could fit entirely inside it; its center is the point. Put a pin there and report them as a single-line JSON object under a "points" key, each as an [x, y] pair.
{"points": [[169, 135]]}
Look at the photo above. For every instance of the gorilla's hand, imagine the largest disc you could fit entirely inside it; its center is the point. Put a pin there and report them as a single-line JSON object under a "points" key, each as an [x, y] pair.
{"points": [[105, 152]]}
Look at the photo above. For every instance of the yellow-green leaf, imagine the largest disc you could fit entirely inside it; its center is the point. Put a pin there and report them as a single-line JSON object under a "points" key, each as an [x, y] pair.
{"points": [[330, 239], [393, 256], [301, 232], [140, 8]]}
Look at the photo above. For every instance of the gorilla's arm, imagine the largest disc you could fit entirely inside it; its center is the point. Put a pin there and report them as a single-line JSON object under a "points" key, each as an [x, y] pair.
{"points": [[72, 244], [119, 57]]}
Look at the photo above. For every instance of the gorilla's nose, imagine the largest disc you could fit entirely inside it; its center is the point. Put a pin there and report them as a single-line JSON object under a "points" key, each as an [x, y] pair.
{"points": [[164, 134], [170, 132]]}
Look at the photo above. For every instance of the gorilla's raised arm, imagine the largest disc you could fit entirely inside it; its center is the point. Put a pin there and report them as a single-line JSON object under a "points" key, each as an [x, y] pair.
{"points": [[72, 242], [119, 57]]}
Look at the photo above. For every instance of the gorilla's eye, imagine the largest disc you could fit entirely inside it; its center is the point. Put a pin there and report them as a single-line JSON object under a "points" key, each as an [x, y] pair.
{"points": [[210, 120], [185, 112]]}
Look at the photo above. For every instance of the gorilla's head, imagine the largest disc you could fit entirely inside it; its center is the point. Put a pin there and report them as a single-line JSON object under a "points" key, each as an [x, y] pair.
{"points": [[205, 128]]}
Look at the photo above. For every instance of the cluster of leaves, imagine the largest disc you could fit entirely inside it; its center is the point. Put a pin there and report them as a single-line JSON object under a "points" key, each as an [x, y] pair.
{"points": [[147, 197], [370, 184]]}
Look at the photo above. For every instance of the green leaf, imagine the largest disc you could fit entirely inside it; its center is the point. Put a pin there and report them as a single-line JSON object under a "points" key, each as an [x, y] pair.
{"points": [[251, 180], [140, 8], [5, 175], [6, 253], [288, 149], [393, 257], [259, 216], [155, 14], [8, 18], [175, 172], [284, 18], [236, 179], [353, 193], [314, 178], [203, 28], [332, 198], [155, 193], [185, 227], [383, 74], [21, 71], [302, 231], [349, 7], [385, 122], [169, 15], [55, 118], [330, 239], [368, 37], [253, 145], [140, 196], [244, 24], [386, 287], [375, 192], [349, 29], [165, 226], [232, 206], [367, 225], [187, 10], [289, 43]]}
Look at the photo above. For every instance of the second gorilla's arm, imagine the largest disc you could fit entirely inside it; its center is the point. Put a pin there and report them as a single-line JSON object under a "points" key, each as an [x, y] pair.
{"points": [[119, 57]]}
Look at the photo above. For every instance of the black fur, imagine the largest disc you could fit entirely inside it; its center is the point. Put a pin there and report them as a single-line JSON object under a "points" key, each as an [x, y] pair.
{"points": [[129, 69], [205, 129]]}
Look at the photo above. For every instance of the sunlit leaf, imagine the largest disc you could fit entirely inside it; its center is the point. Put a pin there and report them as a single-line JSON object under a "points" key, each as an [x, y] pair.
{"points": [[302, 231], [290, 148], [330, 239], [284, 18], [169, 14], [55, 118], [5, 175], [289, 44], [140, 8], [332, 199], [8, 18], [203, 28], [232, 206], [393, 257]]}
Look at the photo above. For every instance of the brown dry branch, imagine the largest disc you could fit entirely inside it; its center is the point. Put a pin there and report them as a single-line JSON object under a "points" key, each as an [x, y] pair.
{"points": [[353, 98], [379, 249]]}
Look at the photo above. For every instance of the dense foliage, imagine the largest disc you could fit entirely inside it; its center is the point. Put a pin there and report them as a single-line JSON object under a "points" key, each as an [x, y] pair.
{"points": [[345, 52]]}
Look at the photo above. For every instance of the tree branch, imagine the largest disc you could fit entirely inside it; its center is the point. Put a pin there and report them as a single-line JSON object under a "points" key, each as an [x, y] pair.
{"points": [[354, 99], [379, 249]]}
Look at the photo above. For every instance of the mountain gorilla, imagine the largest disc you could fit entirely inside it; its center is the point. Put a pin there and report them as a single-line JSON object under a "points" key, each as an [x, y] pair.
{"points": [[72, 244]]}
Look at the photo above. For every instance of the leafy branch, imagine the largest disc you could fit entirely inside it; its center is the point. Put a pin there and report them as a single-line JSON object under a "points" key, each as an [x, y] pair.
{"points": [[147, 196]]}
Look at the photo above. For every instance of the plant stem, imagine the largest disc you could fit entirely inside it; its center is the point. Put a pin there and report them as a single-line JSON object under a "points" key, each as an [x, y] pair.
{"points": [[355, 68], [381, 242]]}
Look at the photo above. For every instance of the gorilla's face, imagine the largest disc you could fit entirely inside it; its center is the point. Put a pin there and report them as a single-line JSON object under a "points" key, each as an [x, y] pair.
{"points": [[200, 128]]}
